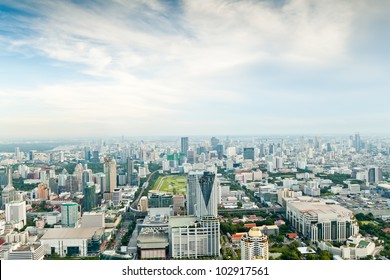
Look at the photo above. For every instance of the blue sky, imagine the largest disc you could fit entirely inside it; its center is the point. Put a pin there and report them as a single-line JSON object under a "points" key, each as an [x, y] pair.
{"points": [[139, 68]]}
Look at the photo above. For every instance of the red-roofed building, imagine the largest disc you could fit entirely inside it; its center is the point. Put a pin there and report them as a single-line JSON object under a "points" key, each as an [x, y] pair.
{"points": [[250, 225], [387, 230], [292, 235], [238, 236]]}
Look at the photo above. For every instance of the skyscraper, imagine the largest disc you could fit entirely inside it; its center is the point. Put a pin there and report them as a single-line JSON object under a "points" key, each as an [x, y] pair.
{"points": [[375, 175], [9, 193], [249, 153], [110, 171], [219, 149], [214, 142], [357, 142], [69, 214], [184, 145], [130, 168], [90, 197], [202, 194], [16, 212]]}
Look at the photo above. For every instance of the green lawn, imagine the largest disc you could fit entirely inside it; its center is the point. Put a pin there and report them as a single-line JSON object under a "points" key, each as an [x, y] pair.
{"points": [[172, 184]]}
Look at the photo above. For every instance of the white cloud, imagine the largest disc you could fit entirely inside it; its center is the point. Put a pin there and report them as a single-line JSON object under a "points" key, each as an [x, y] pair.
{"points": [[153, 67]]}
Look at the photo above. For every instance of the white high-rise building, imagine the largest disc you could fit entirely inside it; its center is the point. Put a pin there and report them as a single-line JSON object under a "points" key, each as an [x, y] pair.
{"points": [[15, 212], [69, 214], [191, 237], [254, 246]]}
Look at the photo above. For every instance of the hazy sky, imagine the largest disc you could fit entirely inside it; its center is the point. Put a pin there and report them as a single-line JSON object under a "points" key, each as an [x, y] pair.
{"points": [[98, 68]]}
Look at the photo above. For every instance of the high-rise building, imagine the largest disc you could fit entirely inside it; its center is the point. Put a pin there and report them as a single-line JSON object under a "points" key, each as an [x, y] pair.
{"points": [[184, 145], [87, 153], [15, 213], [191, 237], [202, 194], [110, 171], [90, 197], [18, 155], [43, 191], [8, 194], [158, 200], [86, 178], [31, 155], [96, 158], [249, 153], [219, 149], [254, 246], [130, 169], [69, 214], [375, 175], [214, 142], [357, 142]]}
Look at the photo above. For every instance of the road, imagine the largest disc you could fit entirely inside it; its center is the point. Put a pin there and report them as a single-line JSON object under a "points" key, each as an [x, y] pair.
{"points": [[144, 186]]}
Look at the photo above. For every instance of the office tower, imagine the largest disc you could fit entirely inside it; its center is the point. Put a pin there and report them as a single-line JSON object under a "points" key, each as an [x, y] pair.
{"points": [[117, 197], [87, 153], [15, 212], [96, 158], [202, 194], [357, 142], [375, 175], [110, 171], [214, 142], [254, 246], [271, 149], [31, 155], [18, 155], [90, 197], [61, 157], [69, 214], [100, 179], [130, 169], [219, 149], [86, 178], [191, 237], [249, 153], [43, 191], [191, 156], [158, 200], [184, 145], [9, 193]]}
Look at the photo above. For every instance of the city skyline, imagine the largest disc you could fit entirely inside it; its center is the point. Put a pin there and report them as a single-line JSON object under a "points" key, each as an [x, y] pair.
{"points": [[178, 68]]}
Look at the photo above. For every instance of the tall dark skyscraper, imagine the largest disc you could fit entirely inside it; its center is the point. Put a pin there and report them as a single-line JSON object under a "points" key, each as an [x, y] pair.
{"points": [[130, 168], [249, 153], [87, 153], [184, 145], [219, 149], [202, 194]]}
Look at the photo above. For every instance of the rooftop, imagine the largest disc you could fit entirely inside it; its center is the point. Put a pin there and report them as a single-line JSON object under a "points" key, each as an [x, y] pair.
{"points": [[71, 233]]}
